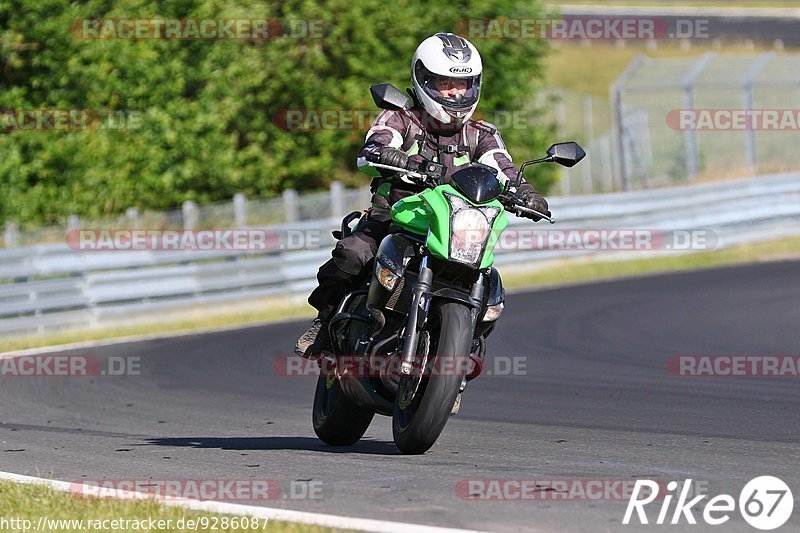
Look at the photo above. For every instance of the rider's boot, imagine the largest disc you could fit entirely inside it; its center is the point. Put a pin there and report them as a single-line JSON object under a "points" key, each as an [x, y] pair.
{"points": [[314, 341]]}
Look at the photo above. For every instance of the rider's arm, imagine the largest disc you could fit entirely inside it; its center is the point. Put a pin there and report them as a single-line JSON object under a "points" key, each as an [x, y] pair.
{"points": [[492, 151], [386, 130]]}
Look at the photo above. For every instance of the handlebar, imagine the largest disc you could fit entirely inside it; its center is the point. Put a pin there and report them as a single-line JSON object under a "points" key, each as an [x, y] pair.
{"points": [[512, 202], [417, 177], [531, 213]]}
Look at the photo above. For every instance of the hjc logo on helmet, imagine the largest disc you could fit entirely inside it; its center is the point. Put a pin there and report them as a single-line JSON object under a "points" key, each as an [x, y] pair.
{"points": [[460, 70]]}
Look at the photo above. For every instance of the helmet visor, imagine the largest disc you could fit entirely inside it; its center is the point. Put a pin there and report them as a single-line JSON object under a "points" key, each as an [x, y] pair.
{"points": [[452, 92]]}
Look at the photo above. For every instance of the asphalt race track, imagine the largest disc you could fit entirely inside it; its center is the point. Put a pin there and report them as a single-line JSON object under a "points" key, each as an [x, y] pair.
{"points": [[594, 401]]}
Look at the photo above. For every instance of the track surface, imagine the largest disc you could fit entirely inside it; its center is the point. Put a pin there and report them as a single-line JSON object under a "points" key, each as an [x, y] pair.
{"points": [[596, 403]]}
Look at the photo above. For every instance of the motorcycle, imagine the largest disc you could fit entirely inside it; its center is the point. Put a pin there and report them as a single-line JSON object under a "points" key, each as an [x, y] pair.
{"points": [[406, 343]]}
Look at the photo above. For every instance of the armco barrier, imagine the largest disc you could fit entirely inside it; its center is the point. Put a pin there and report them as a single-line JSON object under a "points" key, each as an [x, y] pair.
{"points": [[48, 287]]}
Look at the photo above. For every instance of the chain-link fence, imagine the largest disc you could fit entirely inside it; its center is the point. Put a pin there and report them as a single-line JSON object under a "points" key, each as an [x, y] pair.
{"points": [[678, 120], [669, 121]]}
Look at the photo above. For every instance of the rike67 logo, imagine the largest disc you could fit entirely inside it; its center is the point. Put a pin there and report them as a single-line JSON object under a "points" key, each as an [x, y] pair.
{"points": [[765, 503]]}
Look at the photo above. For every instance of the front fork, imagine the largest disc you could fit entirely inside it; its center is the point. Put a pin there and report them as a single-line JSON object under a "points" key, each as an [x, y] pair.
{"points": [[415, 318], [418, 312]]}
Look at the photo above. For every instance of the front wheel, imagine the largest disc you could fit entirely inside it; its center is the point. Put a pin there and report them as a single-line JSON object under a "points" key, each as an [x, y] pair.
{"points": [[423, 402], [338, 421]]}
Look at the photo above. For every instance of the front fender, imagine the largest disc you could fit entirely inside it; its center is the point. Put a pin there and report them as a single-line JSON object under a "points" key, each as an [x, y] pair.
{"points": [[453, 295]]}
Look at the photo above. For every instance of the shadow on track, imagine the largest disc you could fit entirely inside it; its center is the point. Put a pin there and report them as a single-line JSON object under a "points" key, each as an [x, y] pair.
{"points": [[370, 447]]}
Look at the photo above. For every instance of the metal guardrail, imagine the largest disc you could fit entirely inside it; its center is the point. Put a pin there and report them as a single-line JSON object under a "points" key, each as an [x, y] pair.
{"points": [[49, 287]]}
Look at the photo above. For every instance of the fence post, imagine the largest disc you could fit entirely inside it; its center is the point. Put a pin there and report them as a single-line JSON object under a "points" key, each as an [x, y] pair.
{"points": [[690, 135], [73, 222], [588, 135], [337, 199], [133, 215], [561, 119], [11, 234], [191, 215], [608, 164], [290, 205], [365, 194], [747, 90], [240, 209], [618, 119]]}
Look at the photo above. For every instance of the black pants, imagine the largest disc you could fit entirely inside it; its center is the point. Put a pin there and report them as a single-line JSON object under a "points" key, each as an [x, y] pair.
{"points": [[347, 267]]}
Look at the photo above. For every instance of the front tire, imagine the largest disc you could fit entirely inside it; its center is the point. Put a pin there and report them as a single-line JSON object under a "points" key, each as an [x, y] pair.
{"points": [[423, 404], [338, 421]]}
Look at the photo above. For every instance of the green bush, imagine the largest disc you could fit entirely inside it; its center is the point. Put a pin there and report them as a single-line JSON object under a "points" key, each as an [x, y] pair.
{"points": [[205, 108]]}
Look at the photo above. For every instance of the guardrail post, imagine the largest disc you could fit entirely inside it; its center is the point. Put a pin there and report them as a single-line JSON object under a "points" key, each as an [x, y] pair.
{"points": [[290, 205], [337, 199], [240, 209], [11, 234], [73, 222], [191, 215], [365, 196], [133, 215]]}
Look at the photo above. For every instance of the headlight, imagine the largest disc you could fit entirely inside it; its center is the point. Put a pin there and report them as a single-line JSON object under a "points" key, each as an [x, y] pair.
{"points": [[385, 276], [493, 312], [470, 228]]}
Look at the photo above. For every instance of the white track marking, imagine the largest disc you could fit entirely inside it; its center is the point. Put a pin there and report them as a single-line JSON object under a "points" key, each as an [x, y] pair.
{"points": [[325, 520]]}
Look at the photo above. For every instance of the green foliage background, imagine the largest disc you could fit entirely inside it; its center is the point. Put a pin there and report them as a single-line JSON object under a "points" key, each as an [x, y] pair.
{"points": [[207, 107]]}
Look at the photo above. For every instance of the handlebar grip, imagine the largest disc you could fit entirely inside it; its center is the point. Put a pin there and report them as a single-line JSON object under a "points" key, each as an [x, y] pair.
{"points": [[373, 157], [531, 214]]}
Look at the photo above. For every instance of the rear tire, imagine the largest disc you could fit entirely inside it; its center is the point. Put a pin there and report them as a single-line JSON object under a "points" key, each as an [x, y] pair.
{"points": [[337, 420], [421, 411]]}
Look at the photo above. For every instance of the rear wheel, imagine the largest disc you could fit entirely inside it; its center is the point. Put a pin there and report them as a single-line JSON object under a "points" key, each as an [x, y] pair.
{"points": [[338, 421], [423, 402]]}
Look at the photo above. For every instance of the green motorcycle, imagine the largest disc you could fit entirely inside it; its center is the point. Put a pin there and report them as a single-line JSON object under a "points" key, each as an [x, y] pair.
{"points": [[408, 341]]}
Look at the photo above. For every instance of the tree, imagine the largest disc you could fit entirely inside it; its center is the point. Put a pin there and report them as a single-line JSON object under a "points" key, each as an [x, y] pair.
{"points": [[202, 118]]}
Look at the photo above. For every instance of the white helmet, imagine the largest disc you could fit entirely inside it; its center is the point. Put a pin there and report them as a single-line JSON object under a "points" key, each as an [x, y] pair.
{"points": [[446, 55]]}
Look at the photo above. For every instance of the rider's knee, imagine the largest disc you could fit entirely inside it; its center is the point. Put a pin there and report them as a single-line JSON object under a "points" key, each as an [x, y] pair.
{"points": [[352, 254]]}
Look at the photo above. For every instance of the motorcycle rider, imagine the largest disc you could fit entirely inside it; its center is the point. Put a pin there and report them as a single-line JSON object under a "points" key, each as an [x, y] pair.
{"points": [[446, 74]]}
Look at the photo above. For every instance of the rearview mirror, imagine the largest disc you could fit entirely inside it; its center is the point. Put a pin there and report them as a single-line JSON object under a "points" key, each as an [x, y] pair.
{"points": [[387, 96], [566, 154]]}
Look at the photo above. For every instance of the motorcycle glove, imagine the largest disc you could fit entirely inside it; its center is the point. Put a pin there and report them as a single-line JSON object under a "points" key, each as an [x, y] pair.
{"points": [[533, 200], [393, 157]]}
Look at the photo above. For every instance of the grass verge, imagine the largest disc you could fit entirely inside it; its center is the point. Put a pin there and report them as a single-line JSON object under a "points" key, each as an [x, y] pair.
{"points": [[34, 502], [562, 272]]}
